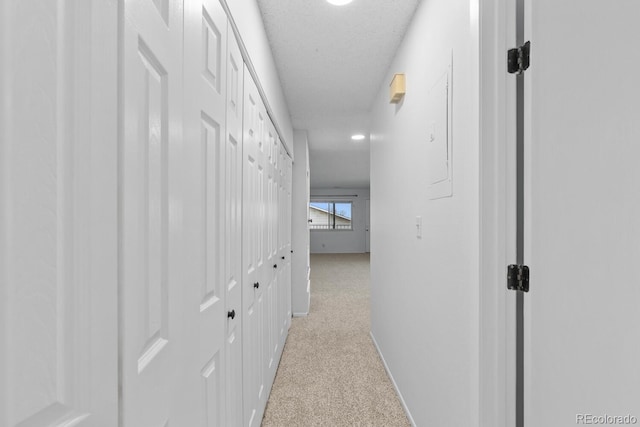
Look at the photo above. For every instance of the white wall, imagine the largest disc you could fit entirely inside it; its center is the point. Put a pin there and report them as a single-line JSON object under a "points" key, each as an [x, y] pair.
{"points": [[424, 292], [335, 242], [300, 292], [247, 17]]}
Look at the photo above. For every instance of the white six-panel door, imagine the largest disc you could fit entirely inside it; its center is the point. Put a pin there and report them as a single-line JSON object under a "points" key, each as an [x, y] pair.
{"points": [[288, 249], [58, 214], [153, 205], [271, 145], [210, 97], [253, 255], [233, 229], [582, 213]]}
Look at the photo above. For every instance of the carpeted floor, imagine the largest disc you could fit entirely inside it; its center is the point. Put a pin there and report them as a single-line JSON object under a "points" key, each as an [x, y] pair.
{"points": [[330, 373]]}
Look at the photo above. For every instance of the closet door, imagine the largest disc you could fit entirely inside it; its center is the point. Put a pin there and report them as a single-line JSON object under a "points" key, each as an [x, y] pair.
{"points": [[287, 225], [281, 244], [273, 240], [232, 255], [58, 214], [253, 259], [271, 302], [582, 210], [152, 271], [267, 360], [205, 290]]}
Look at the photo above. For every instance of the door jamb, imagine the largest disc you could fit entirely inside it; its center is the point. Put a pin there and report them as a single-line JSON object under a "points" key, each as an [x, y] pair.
{"points": [[497, 215]]}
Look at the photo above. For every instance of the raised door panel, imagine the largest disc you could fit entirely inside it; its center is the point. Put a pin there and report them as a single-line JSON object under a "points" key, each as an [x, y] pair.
{"points": [[287, 224], [151, 204], [271, 343], [233, 374], [281, 245], [272, 238], [252, 259], [233, 270], [251, 295], [272, 252], [275, 214], [58, 215], [205, 107], [582, 204], [264, 293]]}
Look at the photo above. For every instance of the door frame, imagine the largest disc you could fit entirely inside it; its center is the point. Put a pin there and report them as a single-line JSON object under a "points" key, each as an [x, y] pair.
{"points": [[367, 226], [497, 24]]}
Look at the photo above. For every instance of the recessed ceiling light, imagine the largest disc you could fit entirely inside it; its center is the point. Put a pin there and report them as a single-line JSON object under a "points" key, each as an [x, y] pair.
{"points": [[358, 137], [339, 2]]}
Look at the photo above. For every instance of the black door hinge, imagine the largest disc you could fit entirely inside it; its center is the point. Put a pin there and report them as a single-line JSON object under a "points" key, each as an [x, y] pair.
{"points": [[518, 59], [518, 278]]}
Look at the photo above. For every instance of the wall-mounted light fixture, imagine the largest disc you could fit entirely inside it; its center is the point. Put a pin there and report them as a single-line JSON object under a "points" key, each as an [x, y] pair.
{"points": [[397, 89]]}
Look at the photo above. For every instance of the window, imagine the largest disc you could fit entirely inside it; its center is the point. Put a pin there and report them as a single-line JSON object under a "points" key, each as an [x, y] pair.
{"points": [[330, 215]]}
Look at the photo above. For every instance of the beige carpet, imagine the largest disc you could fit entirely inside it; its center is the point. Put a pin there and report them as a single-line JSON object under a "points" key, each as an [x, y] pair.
{"points": [[330, 373]]}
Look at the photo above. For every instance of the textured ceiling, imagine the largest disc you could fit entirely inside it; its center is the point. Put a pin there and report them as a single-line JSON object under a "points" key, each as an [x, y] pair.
{"points": [[331, 61]]}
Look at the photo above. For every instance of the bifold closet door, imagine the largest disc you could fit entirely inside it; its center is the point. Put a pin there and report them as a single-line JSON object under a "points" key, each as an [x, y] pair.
{"points": [[152, 205], [271, 336], [233, 230], [283, 253], [288, 250], [58, 214], [272, 250], [280, 240], [212, 99], [582, 210], [253, 259]]}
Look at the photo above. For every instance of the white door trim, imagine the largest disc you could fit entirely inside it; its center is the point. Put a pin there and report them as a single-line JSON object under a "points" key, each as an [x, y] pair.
{"points": [[497, 214]]}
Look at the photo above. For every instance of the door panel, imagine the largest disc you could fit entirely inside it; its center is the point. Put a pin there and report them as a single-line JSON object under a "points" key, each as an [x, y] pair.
{"points": [[582, 204], [281, 216], [254, 393], [58, 214], [205, 106], [271, 260], [287, 225], [268, 271], [151, 202], [233, 270]]}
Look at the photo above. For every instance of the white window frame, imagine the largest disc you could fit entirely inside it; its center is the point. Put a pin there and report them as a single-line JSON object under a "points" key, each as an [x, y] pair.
{"points": [[334, 202]]}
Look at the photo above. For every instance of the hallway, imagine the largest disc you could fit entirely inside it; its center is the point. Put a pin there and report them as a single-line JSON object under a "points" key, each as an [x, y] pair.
{"points": [[330, 372], [168, 166]]}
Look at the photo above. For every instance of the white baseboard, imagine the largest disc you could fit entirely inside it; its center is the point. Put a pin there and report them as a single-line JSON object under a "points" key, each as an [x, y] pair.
{"points": [[301, 314], [393, 381]]}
